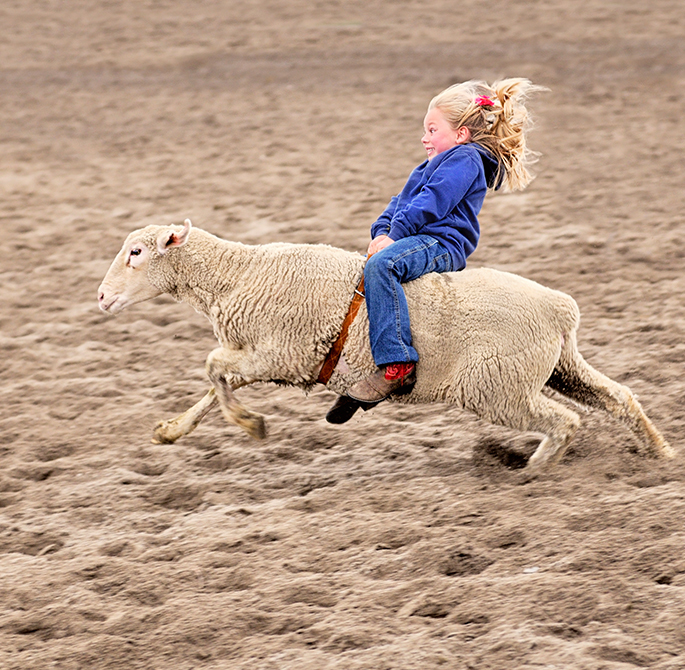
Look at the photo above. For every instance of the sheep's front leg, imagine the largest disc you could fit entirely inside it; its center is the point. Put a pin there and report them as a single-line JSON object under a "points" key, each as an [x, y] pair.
{"points": [[167, 432], [222, 365]]}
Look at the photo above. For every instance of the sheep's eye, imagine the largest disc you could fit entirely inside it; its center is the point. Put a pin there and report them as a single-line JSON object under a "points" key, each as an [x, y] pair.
{"points": [[135, 252]]}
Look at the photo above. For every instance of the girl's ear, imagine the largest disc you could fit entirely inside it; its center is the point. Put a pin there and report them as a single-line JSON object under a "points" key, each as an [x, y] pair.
{"points": [[463, 135]]}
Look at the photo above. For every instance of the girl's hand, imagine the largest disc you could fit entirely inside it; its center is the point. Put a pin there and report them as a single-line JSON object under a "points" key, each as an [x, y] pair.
{"points": [[378, 243]]}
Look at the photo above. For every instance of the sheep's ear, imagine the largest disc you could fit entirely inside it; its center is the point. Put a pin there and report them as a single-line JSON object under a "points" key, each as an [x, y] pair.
{"points": [[170, 238]]}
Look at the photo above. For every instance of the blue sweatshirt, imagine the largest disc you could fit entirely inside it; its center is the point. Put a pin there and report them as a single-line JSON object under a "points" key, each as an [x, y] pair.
{"points": [[442, 198]]}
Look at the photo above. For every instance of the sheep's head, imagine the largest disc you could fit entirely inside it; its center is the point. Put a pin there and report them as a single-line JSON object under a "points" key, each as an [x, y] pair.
{"points": [[128, 279]]}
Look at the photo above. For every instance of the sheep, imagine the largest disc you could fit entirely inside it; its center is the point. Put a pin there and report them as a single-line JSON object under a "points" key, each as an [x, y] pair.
{"points": [[489, 341]]}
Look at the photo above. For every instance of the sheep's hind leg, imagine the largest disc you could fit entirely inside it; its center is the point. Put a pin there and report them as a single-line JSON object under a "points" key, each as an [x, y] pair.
{"points": [[579, 381], [219, 364], [558, 423], [167, 432]]}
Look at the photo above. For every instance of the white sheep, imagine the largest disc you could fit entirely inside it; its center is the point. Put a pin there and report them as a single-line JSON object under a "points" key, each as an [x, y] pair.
{"points": [[488, 341]]}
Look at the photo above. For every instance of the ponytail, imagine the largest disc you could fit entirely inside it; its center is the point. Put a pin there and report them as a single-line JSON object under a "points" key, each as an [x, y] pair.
{"points": [[498, 120]]}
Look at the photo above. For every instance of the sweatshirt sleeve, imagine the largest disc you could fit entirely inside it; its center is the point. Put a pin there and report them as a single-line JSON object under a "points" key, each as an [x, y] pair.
{"points": [[382, 224], [445, 188]]}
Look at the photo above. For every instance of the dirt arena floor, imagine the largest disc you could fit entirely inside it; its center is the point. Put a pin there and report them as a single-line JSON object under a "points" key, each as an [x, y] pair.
{"points": [[406, 539]]}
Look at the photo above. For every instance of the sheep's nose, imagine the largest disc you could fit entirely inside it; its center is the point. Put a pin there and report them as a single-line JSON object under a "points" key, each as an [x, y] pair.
{"points": [[101, 296]]}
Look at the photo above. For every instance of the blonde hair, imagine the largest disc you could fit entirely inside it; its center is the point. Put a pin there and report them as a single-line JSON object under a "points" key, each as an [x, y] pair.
{"points": [[498, 120]]}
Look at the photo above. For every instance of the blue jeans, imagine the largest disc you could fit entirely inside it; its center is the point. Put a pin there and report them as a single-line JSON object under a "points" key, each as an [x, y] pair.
{"points": [[384, 274]]}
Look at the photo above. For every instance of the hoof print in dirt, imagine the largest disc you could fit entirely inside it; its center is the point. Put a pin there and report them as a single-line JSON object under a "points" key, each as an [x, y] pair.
{"points": [[464, 563], [490, 451]]}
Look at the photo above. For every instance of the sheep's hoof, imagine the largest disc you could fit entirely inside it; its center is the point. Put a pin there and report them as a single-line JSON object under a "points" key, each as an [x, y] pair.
{"points": [[536, 466], [166, 432], [256, 427], [665, 450], [251, 422]]}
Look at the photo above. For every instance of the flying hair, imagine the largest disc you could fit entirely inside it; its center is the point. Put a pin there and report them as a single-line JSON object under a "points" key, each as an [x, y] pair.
{"points": [[497, 117]]}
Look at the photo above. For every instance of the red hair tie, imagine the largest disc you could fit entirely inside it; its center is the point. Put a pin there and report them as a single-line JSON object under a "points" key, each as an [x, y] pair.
{"points": [[484, 101]]}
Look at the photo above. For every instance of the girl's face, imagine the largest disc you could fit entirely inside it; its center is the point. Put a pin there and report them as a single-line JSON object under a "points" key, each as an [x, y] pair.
{"points": [[439, 135]]}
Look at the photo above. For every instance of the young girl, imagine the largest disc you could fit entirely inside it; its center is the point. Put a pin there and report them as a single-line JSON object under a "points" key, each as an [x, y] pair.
{"points": [[475, 139]]}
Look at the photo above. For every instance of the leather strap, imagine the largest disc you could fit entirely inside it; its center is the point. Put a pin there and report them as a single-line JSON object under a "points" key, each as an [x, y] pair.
{"points": [[333, 356]]}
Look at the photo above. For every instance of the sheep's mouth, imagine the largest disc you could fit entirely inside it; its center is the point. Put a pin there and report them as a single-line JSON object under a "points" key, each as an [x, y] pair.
{"points": [[106, 307]]}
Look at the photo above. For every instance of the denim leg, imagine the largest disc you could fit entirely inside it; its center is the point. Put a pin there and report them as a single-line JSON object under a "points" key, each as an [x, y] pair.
{"points": [[385, 271]]}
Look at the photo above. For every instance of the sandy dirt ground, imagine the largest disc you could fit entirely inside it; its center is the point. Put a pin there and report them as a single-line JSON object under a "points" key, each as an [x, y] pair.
{"points": [[406, 539]]}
